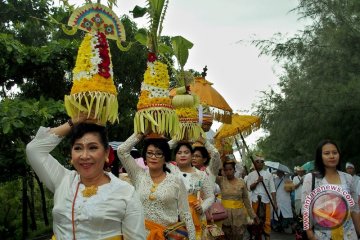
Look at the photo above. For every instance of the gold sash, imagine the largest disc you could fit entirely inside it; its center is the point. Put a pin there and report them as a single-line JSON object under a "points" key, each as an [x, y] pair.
{"points": [[232, 204], [195, 216]]}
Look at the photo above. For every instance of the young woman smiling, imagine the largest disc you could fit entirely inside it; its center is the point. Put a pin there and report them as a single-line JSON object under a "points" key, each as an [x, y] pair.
{"points": [[198, 186], [327, 163]]}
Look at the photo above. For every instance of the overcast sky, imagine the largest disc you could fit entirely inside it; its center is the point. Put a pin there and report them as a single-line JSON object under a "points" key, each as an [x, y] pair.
{"points": [[215, 27]]}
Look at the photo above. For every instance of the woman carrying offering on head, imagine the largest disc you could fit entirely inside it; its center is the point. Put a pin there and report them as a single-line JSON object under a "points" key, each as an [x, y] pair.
{"points": [[89, 203], [163, 195], [206, 158]]}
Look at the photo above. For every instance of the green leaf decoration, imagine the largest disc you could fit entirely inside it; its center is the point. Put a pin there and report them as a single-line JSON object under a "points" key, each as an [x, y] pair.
{"points": [[165, 49], [181, 48], [142, 36], [156, 8], [139, 11]]}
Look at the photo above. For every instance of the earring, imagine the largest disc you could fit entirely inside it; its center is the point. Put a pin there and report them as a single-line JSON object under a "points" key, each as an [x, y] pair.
{"points": [[71, 162], [107, 160]]}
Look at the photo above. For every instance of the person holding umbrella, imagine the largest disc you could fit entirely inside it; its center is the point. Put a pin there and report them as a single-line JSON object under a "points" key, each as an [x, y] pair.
{"points": [[260, 196], [285, 219]]}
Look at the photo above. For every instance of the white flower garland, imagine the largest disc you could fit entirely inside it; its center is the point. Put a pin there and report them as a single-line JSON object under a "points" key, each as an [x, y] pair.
{"points": [[151, 66], [154, 91], [94, 59]]}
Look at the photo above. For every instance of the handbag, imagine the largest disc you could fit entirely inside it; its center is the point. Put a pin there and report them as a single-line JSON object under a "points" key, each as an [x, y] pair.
{"points": [[214, 232], [216, 212], [176, 231]]}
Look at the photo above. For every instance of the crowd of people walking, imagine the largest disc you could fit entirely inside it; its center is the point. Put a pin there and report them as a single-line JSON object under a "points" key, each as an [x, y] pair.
{"points": [[181, 183]]}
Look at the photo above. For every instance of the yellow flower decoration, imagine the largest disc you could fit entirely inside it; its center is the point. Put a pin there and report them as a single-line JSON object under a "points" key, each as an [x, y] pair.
{"points": [[97, 83], [157, 75], [186, 112]]}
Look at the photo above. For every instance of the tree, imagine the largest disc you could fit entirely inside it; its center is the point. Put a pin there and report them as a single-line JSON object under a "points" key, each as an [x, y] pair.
{"points": [[37, 56], [19, 121], [319, 92]]}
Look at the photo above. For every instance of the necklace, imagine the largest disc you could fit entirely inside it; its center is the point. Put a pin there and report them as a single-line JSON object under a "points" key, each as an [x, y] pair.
{"points": [[89, 191], [152, 196], [154, 186]]}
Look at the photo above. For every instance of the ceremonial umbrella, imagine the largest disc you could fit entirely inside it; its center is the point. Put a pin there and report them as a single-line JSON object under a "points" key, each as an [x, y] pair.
{"points": [[277, 166], [240, 124], [209, 96], [308, 166]]}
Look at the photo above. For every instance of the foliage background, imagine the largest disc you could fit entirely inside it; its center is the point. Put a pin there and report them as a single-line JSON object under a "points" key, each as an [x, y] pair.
{"points": [[317, 97]]}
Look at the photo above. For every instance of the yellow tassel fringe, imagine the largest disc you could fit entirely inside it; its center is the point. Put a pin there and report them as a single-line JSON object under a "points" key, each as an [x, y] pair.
{"points": [[160, 120], [189, 130], [99, 105]]}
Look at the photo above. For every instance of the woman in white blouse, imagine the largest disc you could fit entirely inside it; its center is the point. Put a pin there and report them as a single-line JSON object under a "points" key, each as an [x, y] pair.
{"points": [[327, 163], [200, 190], [163, 195], [207, 158], [89, 203]]}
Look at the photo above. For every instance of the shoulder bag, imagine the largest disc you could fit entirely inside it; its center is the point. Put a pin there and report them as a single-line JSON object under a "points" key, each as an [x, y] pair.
{"points": [[216, 212]]}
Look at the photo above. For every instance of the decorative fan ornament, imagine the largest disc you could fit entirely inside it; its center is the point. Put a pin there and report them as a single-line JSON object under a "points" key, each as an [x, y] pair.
{"points": [[93, 89], [95, 17]]}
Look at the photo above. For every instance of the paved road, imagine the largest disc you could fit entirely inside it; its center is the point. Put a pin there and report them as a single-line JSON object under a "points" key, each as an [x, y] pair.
{"points": [[282, 236], [279, 236], [273, 236]]}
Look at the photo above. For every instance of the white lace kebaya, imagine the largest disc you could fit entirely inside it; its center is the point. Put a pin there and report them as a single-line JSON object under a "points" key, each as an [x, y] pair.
{"points": [[168, 200], [114, 210]]}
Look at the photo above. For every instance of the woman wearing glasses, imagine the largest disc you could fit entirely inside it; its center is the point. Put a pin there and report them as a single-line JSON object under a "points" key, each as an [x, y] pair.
{"points": [[163, 195], [206, 158]]}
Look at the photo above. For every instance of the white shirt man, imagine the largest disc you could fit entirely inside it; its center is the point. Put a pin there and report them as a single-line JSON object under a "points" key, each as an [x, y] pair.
{"points": [[259, 189], [298, 181], [350, 169], [255, 184]]}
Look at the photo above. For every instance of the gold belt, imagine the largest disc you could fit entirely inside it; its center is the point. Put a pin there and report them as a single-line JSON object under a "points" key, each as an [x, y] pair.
{"points": [[232, 203]]}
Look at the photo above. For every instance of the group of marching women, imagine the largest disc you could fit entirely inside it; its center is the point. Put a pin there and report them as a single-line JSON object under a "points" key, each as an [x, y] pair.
{"points": [[90, 203]]}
